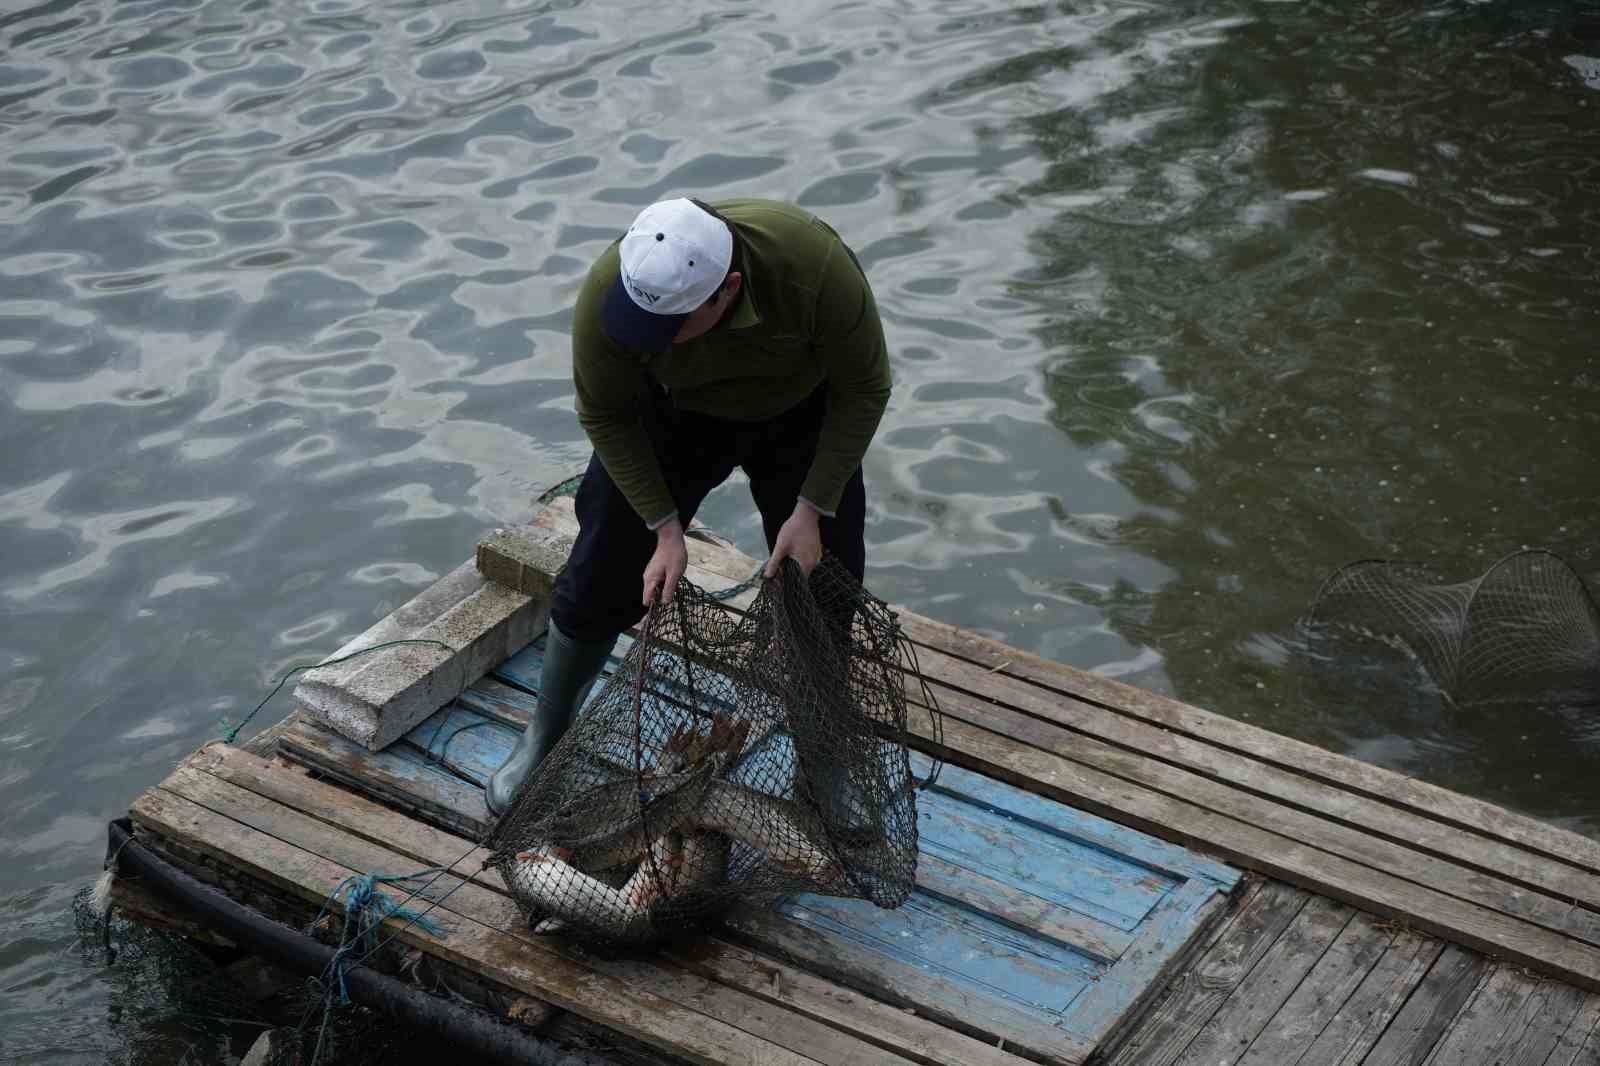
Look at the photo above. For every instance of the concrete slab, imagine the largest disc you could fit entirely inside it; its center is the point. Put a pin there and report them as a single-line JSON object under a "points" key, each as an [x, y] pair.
{"points": [[376, 698]]}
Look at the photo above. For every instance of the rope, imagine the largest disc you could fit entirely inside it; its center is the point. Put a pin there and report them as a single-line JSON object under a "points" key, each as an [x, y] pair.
{"points": [[366, 909], [233, 732], [440, 758]]}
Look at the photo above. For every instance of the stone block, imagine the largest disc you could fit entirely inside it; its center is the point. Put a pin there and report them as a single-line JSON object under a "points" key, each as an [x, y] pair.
{"points": [[376, 698], [524, 558]]}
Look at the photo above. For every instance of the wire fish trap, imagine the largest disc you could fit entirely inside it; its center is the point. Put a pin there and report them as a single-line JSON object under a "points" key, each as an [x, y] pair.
{"points": [[732, 759], [1526, 630]]}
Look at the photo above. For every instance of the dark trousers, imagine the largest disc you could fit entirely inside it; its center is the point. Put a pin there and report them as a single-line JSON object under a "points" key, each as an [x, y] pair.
{"points": [[600, 593]]}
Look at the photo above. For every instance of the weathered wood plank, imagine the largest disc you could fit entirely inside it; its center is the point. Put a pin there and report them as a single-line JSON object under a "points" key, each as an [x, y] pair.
{"points": [[1170, 817], [1358, 1023], [771, 1023], [878, 1023], [1258, 997], [987, 793], [1021, 909], [1166, 942], [1561, 1007], [1538, 891], [1196, 996], [1351, 776], [1140, 765], [624, 1005], [345, 811], [800, 990], [995, 844], [1581, 1033], [1433, 1005], [1423, 850], [406, 782], [829, 947], [1322, 994], [1590, 1055], [1387, 786], [1494, 1015]]}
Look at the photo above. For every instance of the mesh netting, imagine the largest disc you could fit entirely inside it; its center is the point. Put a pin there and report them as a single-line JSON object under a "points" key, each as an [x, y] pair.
{"points": [[1526, 630], [732, 759]]}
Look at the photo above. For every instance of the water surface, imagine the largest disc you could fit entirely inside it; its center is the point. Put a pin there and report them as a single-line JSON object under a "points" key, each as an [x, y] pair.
{"points": [[1190, 303]]}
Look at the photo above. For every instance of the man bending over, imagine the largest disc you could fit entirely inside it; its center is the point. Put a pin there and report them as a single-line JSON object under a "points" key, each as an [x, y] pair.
{"points": [[708, 337]]}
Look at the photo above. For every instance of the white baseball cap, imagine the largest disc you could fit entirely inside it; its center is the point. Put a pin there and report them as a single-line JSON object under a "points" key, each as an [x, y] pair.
{"points": [[673, 258]]}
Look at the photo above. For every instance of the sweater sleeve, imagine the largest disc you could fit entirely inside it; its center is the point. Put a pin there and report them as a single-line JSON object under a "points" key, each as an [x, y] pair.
{"points": [[849, 339], [609, 385]]}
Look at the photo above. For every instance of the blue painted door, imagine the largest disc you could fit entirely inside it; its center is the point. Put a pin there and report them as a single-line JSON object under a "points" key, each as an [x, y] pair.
{"points": [[1032, 923]]}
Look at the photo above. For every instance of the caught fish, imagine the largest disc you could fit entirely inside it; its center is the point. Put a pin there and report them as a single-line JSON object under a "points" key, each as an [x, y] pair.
{"points": [[786, 832], [658, 873], [705, 863], [616, 823], [567, 896]]}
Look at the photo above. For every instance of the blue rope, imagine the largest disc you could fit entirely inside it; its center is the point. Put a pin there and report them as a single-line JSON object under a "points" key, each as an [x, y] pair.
{"points": [[365, 909]]}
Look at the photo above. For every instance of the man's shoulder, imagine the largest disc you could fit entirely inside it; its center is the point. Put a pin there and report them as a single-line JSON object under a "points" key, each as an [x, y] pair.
{"points": [[772, 215]]}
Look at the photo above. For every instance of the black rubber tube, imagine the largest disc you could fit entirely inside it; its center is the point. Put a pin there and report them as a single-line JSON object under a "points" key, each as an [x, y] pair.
{"points": [[472, 1031]]}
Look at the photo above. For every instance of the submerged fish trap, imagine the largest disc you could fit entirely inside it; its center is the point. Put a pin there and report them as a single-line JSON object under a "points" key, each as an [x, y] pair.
{"points": [[733, 758]]}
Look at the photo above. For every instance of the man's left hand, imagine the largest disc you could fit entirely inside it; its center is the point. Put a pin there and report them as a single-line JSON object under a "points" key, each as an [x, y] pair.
{"points": [[799, 539]]}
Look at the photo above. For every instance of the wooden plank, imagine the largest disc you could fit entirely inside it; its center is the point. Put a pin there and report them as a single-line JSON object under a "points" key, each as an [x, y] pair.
{"points": [[1518, 883], [1429, 802], [1021, 909], [800, 990], [1426, 800], [1001, 865], [715, 957], [1265, 988], [773, 1026], [1590, 1055], [510, 706], [1562, 1006], [1195, 997], [1526, 900], [1168, 816], [1358, 1023], [1322, 994], [835, 951], [345, 811], [407, 782], [1076, 825], [1494, 1015], [1166, 942], [1583, 1029], [1433, 1005], [465, 743], [1093, 882], [1134, 764], [623, 1005]]}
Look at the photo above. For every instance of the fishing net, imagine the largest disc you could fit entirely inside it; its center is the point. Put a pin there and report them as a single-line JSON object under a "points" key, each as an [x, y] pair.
{"points": [[1527, 630], [732, 759]]}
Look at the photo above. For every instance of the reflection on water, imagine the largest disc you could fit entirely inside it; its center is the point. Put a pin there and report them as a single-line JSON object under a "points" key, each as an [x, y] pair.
{"points": [[1189, 304]]}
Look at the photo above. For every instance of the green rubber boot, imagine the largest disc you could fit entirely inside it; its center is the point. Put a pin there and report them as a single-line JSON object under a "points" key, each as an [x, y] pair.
{"points": [[570, 669]]}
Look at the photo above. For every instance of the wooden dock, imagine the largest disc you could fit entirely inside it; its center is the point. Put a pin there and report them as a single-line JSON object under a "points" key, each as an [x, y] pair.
{"points": [[1106, 875]]}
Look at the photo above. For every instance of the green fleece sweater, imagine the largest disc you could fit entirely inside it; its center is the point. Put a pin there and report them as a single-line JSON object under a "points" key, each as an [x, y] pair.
{"points": [[804, 315]]}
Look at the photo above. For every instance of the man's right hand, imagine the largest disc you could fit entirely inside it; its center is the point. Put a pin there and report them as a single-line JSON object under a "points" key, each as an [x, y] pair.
{"points": [[667, 564]]}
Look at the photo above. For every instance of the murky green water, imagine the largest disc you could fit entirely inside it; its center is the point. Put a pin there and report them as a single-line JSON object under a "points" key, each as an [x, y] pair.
{"points": [[1190, 304]]}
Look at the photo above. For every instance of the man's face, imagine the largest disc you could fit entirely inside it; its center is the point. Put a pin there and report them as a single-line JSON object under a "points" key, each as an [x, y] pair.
{"points": [[709, 313]]}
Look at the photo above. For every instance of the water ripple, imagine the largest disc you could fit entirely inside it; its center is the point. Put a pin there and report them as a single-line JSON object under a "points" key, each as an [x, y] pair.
{"points": [[1187, 304]]}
